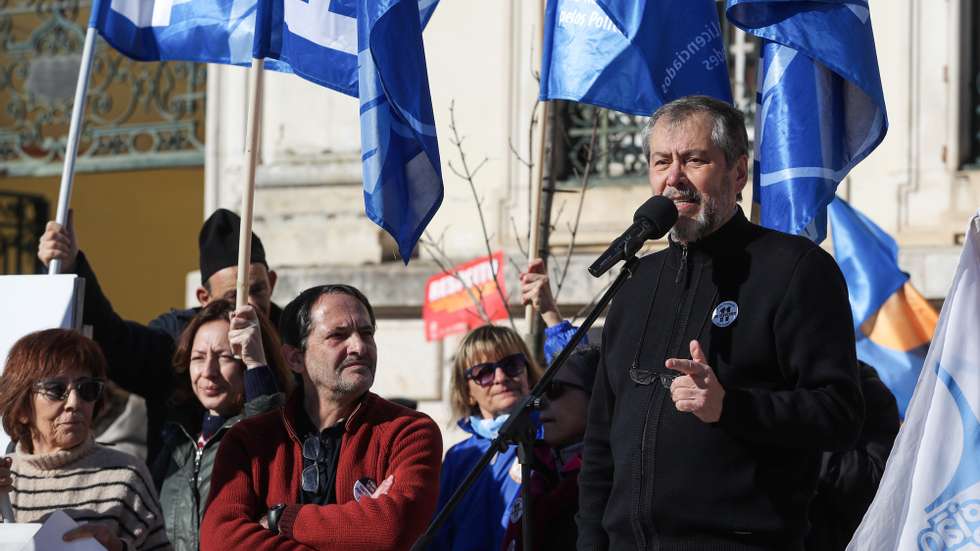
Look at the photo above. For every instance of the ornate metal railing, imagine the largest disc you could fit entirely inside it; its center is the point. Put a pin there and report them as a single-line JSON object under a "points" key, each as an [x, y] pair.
{"points": [[619, 145], [22, 220], [139, 115]]}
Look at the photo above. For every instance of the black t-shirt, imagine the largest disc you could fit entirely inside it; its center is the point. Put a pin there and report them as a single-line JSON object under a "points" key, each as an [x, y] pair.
{"points": [[321, 452]]}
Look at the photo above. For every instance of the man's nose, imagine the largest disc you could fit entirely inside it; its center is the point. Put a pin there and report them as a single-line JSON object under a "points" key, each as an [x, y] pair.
{"points": [[356, 344], [675, 174]]}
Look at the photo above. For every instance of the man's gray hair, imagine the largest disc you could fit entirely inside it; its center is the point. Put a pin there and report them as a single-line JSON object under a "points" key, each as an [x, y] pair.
{"points": [[728, 130]]}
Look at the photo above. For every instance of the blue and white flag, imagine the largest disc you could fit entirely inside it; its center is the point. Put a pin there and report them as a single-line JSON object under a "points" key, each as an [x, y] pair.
{"points": [[893, 323], [632, 56], [929, 497], [369, 49], [210, 31], [820, 107], [319, 39], [372, 49]]}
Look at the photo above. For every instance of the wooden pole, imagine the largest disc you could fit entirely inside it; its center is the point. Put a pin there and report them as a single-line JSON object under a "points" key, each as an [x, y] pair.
{"points": [[533, 241], [255, 79], [74, 134], [534, 237]]}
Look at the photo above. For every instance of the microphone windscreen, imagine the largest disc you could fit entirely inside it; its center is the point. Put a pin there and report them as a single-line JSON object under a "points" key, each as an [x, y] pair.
{"points": [[660, 212]]}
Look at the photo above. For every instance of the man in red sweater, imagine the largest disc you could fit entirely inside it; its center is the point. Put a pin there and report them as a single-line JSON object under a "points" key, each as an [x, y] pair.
{"points": [[337, 467]]}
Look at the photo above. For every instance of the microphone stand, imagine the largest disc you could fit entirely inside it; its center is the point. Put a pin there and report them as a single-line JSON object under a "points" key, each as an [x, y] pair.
{"points": [[519, 428]]}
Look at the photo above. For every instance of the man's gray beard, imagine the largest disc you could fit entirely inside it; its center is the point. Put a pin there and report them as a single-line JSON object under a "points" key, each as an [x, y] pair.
{"points": [[689, 230]]}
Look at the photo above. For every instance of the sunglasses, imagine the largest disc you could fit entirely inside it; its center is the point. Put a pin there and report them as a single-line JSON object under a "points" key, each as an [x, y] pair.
{"points": [[314, 450], [88, 388], [555, 390], [483, 374]]}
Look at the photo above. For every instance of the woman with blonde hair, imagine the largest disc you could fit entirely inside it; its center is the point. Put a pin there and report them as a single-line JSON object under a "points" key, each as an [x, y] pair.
{"points": [[492, 371]]}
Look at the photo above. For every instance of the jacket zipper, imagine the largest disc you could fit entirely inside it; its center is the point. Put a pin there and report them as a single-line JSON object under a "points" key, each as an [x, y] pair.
{"points": [[683, 265], [641, 515], [199, 451]]}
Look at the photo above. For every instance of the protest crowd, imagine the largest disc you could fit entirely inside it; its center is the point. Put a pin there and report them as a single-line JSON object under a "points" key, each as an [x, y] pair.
{"points": [[724, 407]]}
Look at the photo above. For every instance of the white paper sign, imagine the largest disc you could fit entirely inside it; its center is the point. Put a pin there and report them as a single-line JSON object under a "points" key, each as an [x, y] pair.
{"points": [[45, 537], [30, 303]]}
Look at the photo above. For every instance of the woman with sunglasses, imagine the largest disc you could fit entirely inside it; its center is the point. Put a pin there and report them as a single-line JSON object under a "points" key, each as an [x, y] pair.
{"points": [[229, 366], [492, 371], [50, 388], [558, 457]]}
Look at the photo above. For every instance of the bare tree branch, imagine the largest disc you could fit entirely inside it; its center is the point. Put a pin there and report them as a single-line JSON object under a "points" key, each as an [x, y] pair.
{"points": [[443, 262], [468, 175], [581, 201], [517, 154], [517, 237]]}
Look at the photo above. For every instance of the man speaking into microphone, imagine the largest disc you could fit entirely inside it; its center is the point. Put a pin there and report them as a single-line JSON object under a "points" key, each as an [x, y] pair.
{"points": [[727, 365]]}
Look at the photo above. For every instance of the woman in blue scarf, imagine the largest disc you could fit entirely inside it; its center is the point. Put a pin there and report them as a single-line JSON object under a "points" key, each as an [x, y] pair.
{"points": [[493, 369]]}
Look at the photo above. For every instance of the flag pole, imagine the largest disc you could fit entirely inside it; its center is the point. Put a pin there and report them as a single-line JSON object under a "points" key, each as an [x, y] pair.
{"points": [[534, 235], [255, 79], [74, 134]]}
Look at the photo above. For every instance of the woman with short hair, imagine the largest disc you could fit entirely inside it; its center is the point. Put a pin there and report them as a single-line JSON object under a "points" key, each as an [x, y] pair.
{"points": [[492, 371], [229, 366], [49, 390]]}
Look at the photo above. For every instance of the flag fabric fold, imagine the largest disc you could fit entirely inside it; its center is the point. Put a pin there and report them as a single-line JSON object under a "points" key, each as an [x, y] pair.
{"points": [[632, 56], [893, 323], [820, 105], [929, 497]]}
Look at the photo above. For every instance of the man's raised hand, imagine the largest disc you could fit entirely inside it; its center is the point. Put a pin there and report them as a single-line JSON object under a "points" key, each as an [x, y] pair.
{"points": [[59, 243], [697, 390]]}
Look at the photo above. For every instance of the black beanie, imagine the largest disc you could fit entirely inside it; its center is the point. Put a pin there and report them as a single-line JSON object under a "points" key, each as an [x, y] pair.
{"points": [[580, 368], [218, 243]]}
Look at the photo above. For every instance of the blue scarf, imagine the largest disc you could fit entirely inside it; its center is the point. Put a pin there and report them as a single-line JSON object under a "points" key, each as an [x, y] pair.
{"points": [[488, 428]]}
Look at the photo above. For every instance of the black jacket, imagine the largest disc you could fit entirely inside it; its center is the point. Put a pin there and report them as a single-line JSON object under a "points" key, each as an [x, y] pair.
{"points": [[849, 479], [655, 478], [139, 356]]}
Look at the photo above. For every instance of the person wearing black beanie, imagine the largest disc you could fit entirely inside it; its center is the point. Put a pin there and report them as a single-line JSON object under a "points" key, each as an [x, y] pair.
{"points": [[218, 245], [139, 356]]}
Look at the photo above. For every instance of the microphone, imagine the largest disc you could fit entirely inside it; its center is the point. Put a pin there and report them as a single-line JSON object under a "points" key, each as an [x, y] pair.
{"points": [[652, 220]]}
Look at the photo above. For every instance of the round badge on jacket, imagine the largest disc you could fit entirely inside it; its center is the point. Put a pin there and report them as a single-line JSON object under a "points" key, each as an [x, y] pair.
{"points": [[725, 314]]}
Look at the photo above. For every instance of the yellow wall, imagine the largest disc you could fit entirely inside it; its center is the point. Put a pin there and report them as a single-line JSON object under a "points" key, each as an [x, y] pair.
{"points": [[138, 230]]}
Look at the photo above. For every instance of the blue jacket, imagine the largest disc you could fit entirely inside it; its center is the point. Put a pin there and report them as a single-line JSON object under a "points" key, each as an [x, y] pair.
{"points": [[557, 337], [479, 521]]}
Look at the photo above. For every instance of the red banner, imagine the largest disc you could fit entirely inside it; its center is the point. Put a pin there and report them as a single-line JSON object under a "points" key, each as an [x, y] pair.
{"points": [[451, 299]]}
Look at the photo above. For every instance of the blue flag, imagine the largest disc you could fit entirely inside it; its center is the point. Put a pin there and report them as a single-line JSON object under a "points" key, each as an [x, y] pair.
{"points": [[369, 49], [820, 107], [372, 49], [210, 31], [632, 56], [893, 323]]}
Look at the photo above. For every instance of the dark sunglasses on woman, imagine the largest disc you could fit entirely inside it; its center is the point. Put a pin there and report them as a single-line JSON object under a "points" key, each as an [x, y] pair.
{"points": [[483, 374], [88, 388]]}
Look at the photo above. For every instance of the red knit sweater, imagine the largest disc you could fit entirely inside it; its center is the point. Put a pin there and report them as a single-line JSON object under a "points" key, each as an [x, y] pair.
{"points": [[260, 463]]}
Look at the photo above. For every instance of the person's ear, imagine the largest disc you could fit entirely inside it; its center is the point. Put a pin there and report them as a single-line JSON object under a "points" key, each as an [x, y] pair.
{"points": [[741, 173], [203, 296], [272, 281], [294, 358]]}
